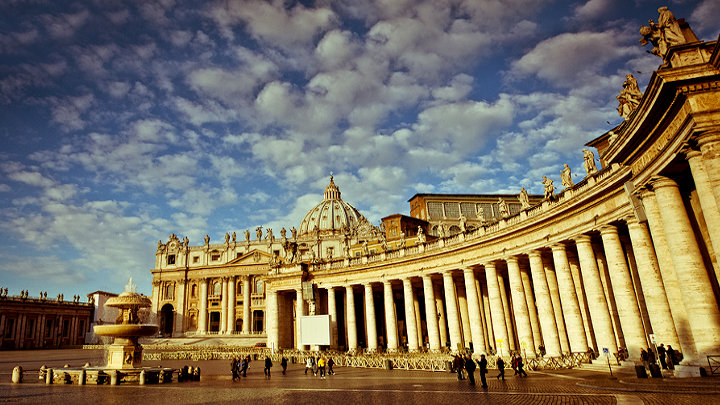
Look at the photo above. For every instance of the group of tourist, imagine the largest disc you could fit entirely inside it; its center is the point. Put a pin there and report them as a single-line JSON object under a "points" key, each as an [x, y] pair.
{"points": [[668, 357], [317, 365], [464, 365], [239, 367]]}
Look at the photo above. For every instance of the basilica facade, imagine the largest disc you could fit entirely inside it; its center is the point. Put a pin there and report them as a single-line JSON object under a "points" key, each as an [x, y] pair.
{"points": [[624, 259]]}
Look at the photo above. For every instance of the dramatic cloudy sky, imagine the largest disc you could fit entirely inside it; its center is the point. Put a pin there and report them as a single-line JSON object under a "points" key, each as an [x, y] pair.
{"points": [[125, 121]]}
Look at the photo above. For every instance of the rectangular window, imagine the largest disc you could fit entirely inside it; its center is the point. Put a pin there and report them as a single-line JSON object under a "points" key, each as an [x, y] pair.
{"points": [[468, 209], [29, 328], [435, 210], [215, 257], [171, 259], [81, 328], [196, 259], [66, 328], [48, 327], [452, 210], [9, 327]]}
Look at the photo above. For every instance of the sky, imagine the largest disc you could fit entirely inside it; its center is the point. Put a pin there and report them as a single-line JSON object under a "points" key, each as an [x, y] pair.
{"points": [[125, 121]]}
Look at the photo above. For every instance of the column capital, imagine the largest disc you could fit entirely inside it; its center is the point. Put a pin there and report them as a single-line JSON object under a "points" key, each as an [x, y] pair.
{"points": [[708, 138], [468, 269], [558, 247], [511, 259], [582, 239], [631, 221], [608, 230], [490, 265], [691, 153], [387, 282], [535, 253], [662, 181], [407, 279]]}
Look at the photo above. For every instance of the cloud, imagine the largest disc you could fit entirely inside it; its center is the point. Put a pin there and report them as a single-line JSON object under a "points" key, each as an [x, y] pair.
{"points": [[65, 25], [705, 17], [591, 10]]}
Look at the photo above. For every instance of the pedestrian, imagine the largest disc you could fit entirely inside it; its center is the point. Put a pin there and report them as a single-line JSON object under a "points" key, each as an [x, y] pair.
{"points": [[309, 364], [661, 356], [483, 370], [520, 365], [315, 365], [651, 356], [644, 358], [321, 366], [283, 364], [513, 364], [501, 368], [470, 368], [268, 365], [671, 357], [541, 349], [457, 367], [330, 364], [235, 368], [244, 366]]}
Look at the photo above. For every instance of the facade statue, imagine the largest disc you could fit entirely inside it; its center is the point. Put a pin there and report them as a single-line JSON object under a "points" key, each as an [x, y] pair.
{"points": [[294, 233], [383, 245], [503, 208], [234, 237], [629, 97], [160, 244], [346, 247], [401, 244], [420, 235], [365, 249], [524, 198], [549, 188], [481, 214], [227, 238], [186, 242], [283, 233], [270, 237], [441, 229], [566, 177], [664, 34], [463, 223], [589, 162], [207, 239], [247, 235], [258, 233]]}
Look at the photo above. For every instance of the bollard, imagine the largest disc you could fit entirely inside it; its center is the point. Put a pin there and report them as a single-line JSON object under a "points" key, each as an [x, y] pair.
{"points": [[142, 378], [82, 377], [17, 375], [113, 377], [49, 376], [41, 373]]}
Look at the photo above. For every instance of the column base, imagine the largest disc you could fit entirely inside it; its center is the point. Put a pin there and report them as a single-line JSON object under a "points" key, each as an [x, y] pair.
{"points": [[686, 371]]}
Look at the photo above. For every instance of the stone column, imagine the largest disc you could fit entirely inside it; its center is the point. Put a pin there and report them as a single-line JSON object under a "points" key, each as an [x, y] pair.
{"points": [[630, 318], [178, 328], [471, 294], [247, 301], [232, 300], [371, 328], [667, 271], [710, 149], [441, 317], [496, 310], [557, 306], [490, 342], [418, 320], [700, 303], [273, 322], [604, 272], [223, 306], [202, 315], [390, 317], [520, 308], [602, 324], [299, 313], [649, 273], [464, 316], [506, 310], [410, 320], [350, 318], [431, 313], [332, 311], [452, 311], [155, 298], [544, 305], [582, 301], [569, 300], [530, 301], [709, 206]]}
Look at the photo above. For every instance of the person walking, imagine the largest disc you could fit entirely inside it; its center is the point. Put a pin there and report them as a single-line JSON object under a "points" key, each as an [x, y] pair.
{"points": [[470, 368], [671, 357], [309, 362], [661, 356], [651, 356], [513, 364], [321, 367], [234, 368], [519, 364], [283, 364], [483, 370], [330, 364], [501, 368], [268, 365], [244, 366], [644, 358]]}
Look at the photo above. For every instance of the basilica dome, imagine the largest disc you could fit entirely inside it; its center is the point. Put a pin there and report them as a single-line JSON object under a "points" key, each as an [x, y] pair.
{"points": [[332, 215]]}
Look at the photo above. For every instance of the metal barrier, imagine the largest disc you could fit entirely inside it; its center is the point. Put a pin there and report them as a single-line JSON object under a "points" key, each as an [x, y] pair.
{"points": [[714, 364]]}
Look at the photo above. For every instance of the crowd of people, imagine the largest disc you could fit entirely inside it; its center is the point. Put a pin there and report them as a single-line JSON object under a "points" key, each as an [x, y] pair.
{"points": [[668, 357], [465, 367], [316, 365]]}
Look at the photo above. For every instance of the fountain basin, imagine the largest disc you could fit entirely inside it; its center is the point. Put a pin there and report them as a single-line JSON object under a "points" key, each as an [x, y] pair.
{"points": [[126, 330]]}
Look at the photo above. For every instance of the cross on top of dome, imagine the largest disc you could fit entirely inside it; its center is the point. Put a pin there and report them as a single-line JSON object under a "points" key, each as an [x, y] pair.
{"points": [[332, 192]]}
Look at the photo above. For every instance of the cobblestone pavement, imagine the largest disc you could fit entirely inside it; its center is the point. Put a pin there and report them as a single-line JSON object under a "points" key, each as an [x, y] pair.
{"points": [[348, 386]]}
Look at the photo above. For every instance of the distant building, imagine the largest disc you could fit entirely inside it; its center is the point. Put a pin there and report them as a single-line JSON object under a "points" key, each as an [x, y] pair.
{"points": [[101, 315], [32, 323]]}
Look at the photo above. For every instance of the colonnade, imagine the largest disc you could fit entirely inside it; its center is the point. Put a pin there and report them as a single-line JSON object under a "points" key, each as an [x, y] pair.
{"points": [[608, 287], [227, 309]]}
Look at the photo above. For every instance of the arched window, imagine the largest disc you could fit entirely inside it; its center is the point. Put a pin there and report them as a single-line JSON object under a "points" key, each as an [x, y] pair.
{"points": [[454, 230], [193, 291], [169, 289], [239, 289], [217, 288], [259, 286]]}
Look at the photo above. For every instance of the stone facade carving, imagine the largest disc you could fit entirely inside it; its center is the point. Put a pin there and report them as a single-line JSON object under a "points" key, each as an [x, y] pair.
{"points": [[549, 188], [664, 34], [566, 177], [589, 162], [629, 97], [524, 198], [503, 208]]}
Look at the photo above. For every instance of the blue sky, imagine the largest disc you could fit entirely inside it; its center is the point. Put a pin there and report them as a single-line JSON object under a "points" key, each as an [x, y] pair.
{"points": [[123, 122]]}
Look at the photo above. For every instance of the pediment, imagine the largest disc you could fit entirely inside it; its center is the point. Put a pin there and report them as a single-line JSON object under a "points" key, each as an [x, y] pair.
{"points": [[252, 257]]}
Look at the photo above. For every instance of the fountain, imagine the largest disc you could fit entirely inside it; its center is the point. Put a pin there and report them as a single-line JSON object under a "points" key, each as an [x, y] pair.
{"points": [[126, 353]]}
